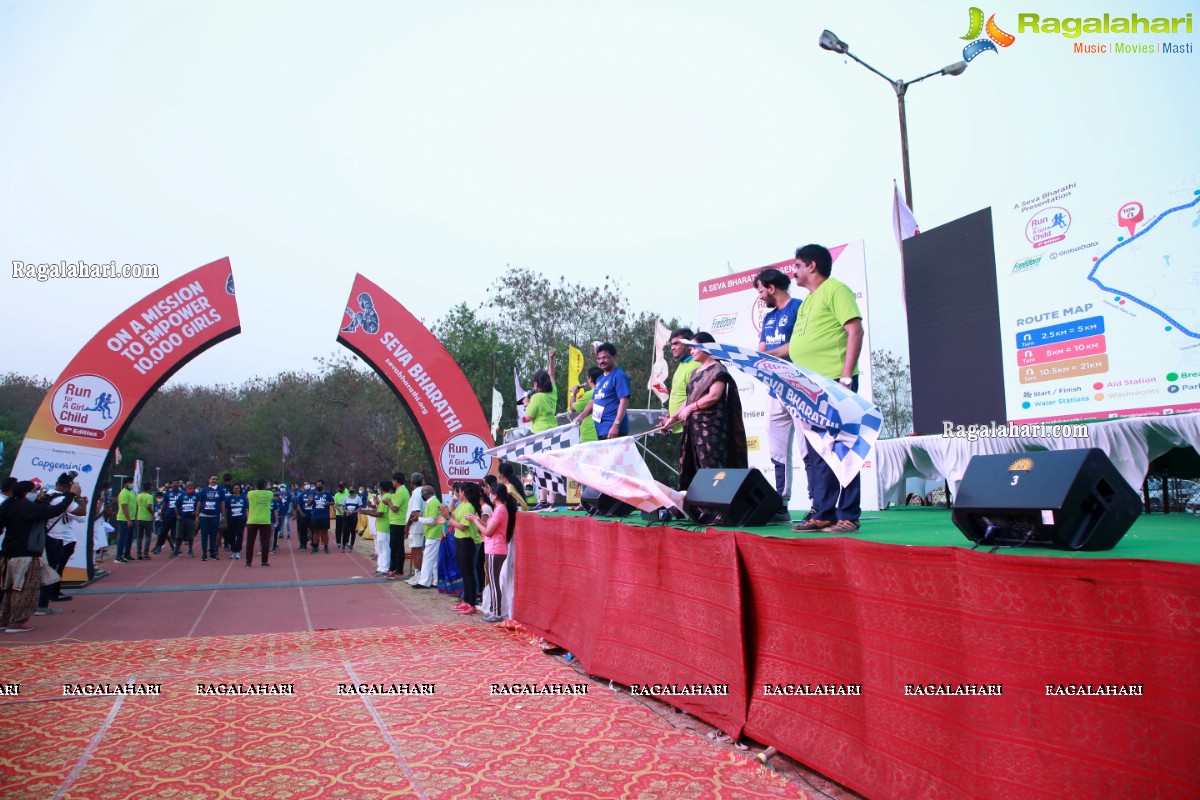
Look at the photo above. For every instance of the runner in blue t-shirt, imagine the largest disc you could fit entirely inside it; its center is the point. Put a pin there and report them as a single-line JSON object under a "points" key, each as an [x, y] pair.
{"points": [[236, 507], [321, 506], [211, 500], [185, 525], [301, 502], [169, 517]]}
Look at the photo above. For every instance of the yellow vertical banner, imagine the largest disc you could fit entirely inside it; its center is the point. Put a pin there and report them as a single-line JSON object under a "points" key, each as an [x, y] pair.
{"points": [[574, 365]]}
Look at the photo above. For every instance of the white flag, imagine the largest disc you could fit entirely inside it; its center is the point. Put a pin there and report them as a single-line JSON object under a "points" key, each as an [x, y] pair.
{"points": [[520, 391], [658, 369], [497, 410], [614, 467], [840, 424], [903, 222]]}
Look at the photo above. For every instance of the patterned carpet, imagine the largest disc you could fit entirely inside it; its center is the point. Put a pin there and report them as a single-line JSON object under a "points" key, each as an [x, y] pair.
{"points": [[460, 743]]}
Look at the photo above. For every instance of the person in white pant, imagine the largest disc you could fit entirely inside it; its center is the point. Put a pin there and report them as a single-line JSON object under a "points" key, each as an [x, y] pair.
{"points": [[433, 520], [383, 539], [416, 531]]}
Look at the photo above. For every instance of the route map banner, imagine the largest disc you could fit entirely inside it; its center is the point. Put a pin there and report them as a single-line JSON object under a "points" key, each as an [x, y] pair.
{"points": [[731, 311], [96, 397], [426, 379], [1099, 293]]}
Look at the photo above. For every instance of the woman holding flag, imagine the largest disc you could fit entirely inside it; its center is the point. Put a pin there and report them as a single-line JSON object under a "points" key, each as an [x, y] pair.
{"points": [[714, 435], [540, 410]]}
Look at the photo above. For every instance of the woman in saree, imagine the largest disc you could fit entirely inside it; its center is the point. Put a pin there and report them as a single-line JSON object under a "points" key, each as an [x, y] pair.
{"points": [[449, 579], [713, 433]]}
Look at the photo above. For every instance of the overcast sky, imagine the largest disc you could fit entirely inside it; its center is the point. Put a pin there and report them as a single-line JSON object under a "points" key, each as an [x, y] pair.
{"points": [[428, 145]]}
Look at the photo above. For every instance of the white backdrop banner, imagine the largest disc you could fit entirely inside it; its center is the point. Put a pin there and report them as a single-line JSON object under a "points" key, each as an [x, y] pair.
{"points": [[731, 311]]}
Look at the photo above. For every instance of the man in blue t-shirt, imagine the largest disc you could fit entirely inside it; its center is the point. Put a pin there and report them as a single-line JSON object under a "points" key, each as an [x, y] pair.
{"points": [[236, 508], [302, 501], [210, 509], [320, 508], [782, 308], [285, 511], [610, 400], [169, 516], [185, 525]]}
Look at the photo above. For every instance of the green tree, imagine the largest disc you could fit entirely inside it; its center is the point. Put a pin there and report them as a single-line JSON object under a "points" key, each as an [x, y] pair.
{"points": [[476, 345], [20, 397], [891, 385]]}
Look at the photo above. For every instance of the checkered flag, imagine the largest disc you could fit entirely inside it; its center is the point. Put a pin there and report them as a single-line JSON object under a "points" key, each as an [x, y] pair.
{"points": [[553, 439], [544, 479], [841, 425], [614, 467]]}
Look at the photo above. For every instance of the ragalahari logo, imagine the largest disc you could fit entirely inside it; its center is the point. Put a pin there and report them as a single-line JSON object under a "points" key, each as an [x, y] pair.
{"points": [[994, 36]]}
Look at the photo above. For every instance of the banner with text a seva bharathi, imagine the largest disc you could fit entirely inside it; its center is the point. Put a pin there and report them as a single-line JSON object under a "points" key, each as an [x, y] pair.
{"points": [[96, 397], [426, 379]]}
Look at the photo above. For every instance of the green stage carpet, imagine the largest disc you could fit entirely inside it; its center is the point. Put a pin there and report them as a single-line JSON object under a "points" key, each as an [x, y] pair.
{"points": [[1154, 537]]}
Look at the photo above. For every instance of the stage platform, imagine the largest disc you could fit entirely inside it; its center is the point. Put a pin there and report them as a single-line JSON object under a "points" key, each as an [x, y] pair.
{"points": [[898, 661]]}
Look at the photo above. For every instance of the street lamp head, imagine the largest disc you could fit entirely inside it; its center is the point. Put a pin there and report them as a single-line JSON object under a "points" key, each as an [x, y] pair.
{"points": [[957, 68], [830, 41]]}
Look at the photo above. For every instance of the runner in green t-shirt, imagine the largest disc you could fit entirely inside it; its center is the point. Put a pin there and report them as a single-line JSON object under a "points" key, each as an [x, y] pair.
{"points": [[540, 410], [144, 523], [259, 521], [397, 506], [126, 512], [339, 516]]}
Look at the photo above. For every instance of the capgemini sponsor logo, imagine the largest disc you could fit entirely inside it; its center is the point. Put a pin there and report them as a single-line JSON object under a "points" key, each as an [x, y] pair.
{"points": [[723, 323], [59, 466]]}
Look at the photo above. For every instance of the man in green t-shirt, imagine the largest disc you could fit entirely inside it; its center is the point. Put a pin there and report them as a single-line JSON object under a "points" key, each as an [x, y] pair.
{"points": [[339, 516], [397, 506], [260, 520], [683, 373], [144, 523], [433, 523], [827, 339], [126, 514]]}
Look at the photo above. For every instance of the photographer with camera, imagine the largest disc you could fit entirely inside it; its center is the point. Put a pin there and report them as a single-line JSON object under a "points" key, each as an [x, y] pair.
{"points": [[61, 535], [23, 521]]}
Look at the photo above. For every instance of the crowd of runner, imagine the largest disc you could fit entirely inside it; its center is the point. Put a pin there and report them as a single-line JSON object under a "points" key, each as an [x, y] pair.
{"points": [[461, 547]]}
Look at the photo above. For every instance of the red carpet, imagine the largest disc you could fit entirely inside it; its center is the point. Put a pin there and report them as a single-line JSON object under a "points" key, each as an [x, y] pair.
{"points": [[459, 743]]}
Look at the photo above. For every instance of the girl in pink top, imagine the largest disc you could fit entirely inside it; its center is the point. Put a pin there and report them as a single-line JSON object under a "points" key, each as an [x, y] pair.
{"points": [[497, 532]]}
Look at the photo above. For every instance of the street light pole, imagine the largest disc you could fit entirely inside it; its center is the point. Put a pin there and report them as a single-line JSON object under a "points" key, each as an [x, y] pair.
{"points": [[829, 41]]}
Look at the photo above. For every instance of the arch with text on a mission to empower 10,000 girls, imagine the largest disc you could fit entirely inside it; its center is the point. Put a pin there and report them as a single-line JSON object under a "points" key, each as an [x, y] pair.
{"points": [[95, 399], [426, 379]]}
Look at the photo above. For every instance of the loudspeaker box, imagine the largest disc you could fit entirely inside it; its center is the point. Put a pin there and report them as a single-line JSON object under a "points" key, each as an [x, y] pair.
{"points": [[734, 498], [601, 505], [1065, 499]]}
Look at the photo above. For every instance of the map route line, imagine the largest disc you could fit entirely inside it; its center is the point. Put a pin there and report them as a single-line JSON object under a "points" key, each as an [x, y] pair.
{"points": [[1092, 275]]}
